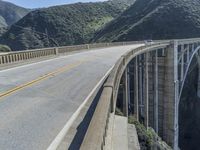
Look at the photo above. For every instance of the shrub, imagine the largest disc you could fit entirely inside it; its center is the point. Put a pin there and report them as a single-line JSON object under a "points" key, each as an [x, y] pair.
{"points": [[4, 48]]}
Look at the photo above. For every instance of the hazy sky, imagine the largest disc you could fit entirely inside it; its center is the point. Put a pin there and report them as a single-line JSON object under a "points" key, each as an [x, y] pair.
{"points": [[45, 3]]}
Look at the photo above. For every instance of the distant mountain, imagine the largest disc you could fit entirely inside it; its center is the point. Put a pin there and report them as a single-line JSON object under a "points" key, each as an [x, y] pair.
{"points": [[154, 19], [62, 25], [10, 13]]}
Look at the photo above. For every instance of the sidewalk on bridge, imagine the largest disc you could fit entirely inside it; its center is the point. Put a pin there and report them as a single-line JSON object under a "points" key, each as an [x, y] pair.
{"points": [[124, 135], [133, 143], [120, 133]]}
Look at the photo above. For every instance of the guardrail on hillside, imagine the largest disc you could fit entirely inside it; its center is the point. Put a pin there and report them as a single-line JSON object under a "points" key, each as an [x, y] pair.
{"points": [[12, 57], [95, 136]]}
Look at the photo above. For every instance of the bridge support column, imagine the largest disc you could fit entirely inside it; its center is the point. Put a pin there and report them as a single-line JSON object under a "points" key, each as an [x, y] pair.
{"points": [[198, 86], [176, 96], [182, 62], [146, 91], [140, 89], [128, 89], [136, 99], [155, 94], [126, 92], [193, 47], [170, 99], [188, 54]]}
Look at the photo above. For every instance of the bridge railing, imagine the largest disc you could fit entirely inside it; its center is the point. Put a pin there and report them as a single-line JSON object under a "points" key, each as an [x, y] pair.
{"points": [[12, 57], [97, 130], [25, 55]]}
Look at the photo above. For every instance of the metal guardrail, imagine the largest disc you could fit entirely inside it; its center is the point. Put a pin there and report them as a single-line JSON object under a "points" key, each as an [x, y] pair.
{"points": [[12, 57]]}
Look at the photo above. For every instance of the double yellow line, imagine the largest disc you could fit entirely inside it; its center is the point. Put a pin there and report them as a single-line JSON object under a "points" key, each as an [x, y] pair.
{"points": [[44, 77]]}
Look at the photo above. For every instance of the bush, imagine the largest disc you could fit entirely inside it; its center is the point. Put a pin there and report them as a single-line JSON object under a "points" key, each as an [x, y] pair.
{"points": [[148, 139], [4, 48]]}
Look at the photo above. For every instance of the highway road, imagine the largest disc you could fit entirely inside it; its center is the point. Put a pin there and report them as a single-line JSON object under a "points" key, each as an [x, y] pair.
{"points": [[37, 100]]}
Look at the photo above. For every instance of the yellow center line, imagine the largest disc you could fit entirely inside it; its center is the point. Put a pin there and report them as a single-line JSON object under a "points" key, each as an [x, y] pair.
{"points": [[44, 77]]}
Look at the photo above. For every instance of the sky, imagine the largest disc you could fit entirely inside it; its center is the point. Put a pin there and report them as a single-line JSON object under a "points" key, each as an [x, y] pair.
{"points": [[45, 3]]}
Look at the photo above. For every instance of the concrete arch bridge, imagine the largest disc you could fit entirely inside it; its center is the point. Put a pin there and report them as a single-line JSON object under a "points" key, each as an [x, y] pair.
{"points": [[149, 82]]}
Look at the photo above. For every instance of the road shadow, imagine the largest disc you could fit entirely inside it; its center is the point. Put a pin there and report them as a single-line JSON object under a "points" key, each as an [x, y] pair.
{"points": [[83, 126]]}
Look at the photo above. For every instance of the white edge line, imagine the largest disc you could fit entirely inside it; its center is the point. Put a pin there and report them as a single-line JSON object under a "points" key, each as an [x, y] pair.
{"points": [[56, 142]]}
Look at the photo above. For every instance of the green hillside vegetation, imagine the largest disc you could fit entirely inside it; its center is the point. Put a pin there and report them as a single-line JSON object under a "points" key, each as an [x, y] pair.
{"points": [[4, 48], [127, 2], [3, 30], [154, 19], [148, 138], [2, 22], [10, 13], [65, 25]]}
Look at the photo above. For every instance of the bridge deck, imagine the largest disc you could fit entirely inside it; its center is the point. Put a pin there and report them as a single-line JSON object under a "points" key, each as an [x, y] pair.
{"points": [[37, 100]]}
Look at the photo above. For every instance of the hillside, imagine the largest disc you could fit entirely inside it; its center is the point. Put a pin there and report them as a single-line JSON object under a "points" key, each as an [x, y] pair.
{"points": [[3, 30], [154, 19], [10, 13], [64, 25], [122, 2]]}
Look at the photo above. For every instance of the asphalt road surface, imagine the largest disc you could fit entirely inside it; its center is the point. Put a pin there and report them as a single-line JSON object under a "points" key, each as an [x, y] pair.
{"points": [[37, 100]]}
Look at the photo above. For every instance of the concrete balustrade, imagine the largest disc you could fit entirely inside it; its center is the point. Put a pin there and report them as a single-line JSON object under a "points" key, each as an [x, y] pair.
{"points": [[13, 57]]}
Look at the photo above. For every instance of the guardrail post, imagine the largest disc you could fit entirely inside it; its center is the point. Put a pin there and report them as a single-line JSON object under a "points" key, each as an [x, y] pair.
{"points": [[88, 46], [7, 59], [56, 51], [1, 60]]}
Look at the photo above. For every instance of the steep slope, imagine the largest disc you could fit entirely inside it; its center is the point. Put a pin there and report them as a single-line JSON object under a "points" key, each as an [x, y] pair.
{"points": [[64, 25], [10, 13], [3, 30], [154, 19]]}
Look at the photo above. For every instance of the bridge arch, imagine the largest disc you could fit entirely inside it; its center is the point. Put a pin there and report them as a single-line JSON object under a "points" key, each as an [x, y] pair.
{"points": [[194, 53], [155, 122], [142, 70], [163, 92], [189, 103]]}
